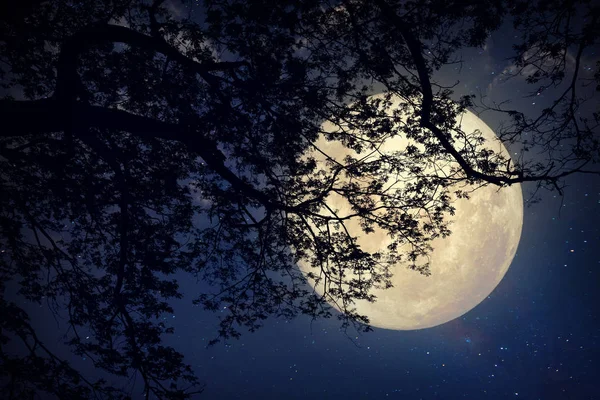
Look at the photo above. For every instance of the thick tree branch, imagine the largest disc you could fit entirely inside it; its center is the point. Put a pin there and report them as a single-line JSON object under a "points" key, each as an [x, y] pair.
{"points": [[45, 116], [48, 115], [74, 45]]}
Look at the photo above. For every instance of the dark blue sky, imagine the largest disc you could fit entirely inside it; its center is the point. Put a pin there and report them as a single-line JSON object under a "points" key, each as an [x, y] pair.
{"points": [[537, 336]]}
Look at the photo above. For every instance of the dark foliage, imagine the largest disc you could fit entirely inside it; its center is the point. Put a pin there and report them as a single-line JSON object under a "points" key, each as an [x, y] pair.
{"points": [[138, 142]]}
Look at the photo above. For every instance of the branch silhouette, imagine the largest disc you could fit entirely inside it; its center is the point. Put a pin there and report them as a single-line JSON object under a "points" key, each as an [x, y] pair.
{"points": [[140, 146]]}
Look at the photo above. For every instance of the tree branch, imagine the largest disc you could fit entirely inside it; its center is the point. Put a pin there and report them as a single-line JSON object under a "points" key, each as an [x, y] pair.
{"points": [[414, 47], [46, 116], [74, 45]]}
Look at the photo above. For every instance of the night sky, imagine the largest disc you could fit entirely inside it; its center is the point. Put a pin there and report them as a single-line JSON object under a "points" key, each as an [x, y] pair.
{"points": [[537, 336]]}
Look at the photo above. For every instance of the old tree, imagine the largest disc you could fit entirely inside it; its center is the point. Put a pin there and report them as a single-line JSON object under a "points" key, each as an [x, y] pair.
{"points": [[143, 139]]}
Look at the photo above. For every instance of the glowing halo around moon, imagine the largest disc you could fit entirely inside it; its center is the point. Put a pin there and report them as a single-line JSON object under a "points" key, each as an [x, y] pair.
{"points": [[465, 267]]}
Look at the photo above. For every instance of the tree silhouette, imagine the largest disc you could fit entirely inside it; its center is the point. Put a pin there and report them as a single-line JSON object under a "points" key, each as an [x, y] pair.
{"points": [[138, 142]]}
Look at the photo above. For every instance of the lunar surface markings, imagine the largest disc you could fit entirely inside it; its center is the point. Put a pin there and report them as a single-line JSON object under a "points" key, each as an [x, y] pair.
{"points": [[465, 267]]}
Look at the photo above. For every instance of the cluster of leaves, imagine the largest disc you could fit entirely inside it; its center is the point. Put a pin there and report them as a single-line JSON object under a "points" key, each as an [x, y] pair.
{"points": [[140, 143]]}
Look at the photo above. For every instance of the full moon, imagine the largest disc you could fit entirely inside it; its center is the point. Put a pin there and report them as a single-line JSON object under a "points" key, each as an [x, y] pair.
{"points": [[465, 266]]}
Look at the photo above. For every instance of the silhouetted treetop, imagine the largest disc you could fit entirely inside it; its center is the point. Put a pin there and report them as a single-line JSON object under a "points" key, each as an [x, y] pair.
{"points": [[146, 140]]}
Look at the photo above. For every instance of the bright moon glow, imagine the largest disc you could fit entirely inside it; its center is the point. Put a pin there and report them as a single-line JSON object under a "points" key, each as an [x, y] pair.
{"points": [[465, 267]]}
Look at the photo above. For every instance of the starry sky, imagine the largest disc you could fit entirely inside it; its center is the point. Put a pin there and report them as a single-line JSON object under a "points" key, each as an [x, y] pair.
{"points": [[536, 336]]}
